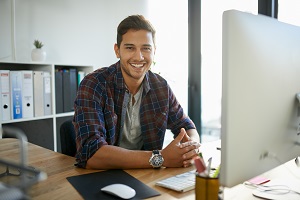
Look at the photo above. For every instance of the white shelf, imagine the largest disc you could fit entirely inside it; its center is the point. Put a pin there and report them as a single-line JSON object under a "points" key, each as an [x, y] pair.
{"points": [[43, 130]]}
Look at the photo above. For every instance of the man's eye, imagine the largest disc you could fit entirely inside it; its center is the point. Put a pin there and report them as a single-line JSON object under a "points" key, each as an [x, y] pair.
{"points": [[129, 48], [147, 49]]}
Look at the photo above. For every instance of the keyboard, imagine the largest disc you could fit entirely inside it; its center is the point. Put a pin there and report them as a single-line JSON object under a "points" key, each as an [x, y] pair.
{"points": [[180, 183]]}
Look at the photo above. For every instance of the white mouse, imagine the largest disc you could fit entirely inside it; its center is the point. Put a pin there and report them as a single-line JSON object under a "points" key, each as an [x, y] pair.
{"points": [[119, 190]]}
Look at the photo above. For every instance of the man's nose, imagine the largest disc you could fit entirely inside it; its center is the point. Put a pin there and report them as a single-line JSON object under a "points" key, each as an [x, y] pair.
{"points": [[139, 55]]}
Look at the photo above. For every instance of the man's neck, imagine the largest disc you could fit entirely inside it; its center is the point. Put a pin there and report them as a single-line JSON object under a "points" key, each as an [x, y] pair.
{"points": [[133, 85], [133, 89]]}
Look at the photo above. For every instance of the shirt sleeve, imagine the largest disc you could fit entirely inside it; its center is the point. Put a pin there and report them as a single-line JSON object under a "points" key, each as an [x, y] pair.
{"points": [[89, 119]]}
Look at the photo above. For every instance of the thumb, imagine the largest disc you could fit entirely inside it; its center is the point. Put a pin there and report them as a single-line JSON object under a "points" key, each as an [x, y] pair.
{"points": [[186, 137], [180, 136]]}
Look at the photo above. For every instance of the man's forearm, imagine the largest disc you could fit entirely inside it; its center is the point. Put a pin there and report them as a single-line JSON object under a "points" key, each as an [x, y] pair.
{"points": [[175, 155], [113, 157]]}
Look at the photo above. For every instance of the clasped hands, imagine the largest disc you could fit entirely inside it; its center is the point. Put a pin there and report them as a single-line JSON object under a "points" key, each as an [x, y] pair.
{"points": [[181, 151]]}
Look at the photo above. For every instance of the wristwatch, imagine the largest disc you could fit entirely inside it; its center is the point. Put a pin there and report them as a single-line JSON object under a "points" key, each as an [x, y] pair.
{"points": [[156, 160]]}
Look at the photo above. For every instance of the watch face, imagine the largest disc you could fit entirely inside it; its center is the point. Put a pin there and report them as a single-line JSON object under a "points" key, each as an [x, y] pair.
{"points": [[157, 161]]}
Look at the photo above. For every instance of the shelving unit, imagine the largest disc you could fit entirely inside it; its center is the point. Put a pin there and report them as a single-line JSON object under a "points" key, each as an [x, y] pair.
{"points": [[44, 130]]}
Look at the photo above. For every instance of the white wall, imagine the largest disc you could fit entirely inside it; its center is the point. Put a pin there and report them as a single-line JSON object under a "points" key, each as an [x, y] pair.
{"points": [[5, 29], [84, 32], [73, 31]]}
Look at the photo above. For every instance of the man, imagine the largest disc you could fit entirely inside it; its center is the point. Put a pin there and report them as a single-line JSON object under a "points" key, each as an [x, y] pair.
{"points": [[123, 111]]}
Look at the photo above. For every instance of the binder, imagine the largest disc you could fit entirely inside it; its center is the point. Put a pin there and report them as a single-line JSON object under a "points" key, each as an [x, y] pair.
{"points": [[47, 93], [38, 93], [73, 87], [27, 93], [16, 94], [59, 91], [66, 90], [5, 95], [81, 75], [69, 89]]}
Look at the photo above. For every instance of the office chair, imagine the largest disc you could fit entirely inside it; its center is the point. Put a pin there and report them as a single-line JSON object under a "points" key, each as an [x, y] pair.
{"points": [[67, 138]]}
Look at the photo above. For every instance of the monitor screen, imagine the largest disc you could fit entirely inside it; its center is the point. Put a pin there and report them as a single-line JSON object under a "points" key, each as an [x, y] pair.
{"points": [[260, 111]]}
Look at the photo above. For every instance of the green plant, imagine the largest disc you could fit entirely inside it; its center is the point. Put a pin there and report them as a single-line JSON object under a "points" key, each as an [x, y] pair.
{"points": [[38, 44]]}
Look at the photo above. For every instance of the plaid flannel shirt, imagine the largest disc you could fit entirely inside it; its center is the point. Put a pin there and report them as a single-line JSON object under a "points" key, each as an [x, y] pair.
{"points": [[100, 109]]}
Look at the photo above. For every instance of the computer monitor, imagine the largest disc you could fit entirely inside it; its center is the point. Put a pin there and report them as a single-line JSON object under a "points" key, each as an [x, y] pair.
{"points": [[260, 111]]}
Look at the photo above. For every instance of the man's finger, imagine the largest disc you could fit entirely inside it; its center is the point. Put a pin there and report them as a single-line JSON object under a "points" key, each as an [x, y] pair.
{"points": [[180, 136]]}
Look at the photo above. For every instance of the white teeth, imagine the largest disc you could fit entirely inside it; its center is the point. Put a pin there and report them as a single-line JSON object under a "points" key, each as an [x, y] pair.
{"points": [[137, 65]]}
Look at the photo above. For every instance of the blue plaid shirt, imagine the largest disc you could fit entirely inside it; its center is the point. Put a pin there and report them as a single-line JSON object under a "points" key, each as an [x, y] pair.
{"points": [[100, 109]]}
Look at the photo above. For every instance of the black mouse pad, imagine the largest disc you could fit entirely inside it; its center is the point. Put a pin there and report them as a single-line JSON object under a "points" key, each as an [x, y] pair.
{"points": [[89, 185]]}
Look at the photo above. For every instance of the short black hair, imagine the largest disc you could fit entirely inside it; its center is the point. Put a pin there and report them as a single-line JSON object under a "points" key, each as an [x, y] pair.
{"points": [[135, 22]]}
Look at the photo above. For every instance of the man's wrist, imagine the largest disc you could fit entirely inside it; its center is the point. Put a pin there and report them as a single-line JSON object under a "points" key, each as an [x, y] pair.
{"points": [[156, 160]]}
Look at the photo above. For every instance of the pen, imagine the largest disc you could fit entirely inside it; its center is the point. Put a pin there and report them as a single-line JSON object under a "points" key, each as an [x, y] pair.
{"points": [[209, 166]]}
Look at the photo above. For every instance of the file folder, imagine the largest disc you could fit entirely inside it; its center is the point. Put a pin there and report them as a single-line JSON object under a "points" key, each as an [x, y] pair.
{"points": [[59, 91], [16, 94], [47, 93], [5, 95], [69, 89], [38, 93], [27, 93]]}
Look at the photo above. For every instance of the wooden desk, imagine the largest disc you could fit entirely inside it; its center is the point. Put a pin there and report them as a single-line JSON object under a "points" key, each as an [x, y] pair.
{"points": [[58, 167]]}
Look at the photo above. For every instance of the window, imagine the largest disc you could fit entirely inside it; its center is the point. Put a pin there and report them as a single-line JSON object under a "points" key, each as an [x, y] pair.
{"points": [[211, 50], [288, 11], [170, 19]]}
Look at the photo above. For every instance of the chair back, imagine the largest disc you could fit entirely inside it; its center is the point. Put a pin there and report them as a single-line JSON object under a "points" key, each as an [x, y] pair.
{"points": [[67, 138]]}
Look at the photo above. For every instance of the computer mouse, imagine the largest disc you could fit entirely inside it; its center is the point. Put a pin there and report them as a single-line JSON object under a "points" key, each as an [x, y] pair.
{"points": [[120, 190]]}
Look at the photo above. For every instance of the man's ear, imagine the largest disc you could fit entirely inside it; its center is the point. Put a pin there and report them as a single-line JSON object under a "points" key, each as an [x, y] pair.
{"points": [[116, 48]]}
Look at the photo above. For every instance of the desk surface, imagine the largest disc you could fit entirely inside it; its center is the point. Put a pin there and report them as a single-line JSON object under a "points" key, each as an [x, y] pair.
{"points": [[58, 167]]}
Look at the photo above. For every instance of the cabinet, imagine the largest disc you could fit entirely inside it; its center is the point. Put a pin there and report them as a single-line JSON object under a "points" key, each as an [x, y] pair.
{"points": [[43, 130]]}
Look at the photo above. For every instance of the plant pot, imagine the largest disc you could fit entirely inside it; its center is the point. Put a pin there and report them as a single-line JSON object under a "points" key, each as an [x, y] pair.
{"points": [[38, 55]]}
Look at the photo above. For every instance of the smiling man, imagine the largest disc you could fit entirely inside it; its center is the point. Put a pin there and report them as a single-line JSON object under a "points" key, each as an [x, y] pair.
{"points": [[122, 111]]}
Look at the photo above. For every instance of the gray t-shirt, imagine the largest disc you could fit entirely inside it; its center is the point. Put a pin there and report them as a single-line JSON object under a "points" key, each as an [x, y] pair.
{"points": [[131, 138]]}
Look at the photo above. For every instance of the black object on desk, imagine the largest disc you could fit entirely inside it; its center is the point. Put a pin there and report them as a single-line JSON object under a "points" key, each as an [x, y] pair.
{"points": [[89, 185]]}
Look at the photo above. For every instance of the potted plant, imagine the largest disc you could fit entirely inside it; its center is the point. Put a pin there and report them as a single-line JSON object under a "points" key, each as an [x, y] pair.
{"points": [[38, 54]]}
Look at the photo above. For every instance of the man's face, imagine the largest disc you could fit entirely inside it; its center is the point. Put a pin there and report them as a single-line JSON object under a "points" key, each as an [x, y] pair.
{"points": [[136, 54]]}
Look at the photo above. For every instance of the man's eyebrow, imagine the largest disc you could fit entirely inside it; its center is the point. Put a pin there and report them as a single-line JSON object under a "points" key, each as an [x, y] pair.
{"points": [[128, 44], [147, 45]]}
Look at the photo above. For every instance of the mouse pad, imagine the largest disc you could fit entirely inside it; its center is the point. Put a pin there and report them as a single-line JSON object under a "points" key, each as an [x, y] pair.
{"points": [[89, 185]]}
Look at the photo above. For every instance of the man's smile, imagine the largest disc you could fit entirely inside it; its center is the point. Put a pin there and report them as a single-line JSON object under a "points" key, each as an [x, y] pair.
{"points": [[140, 65]]}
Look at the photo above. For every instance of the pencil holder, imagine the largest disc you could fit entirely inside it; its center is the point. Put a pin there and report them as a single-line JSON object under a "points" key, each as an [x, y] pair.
{"points": [[207, 188]]}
